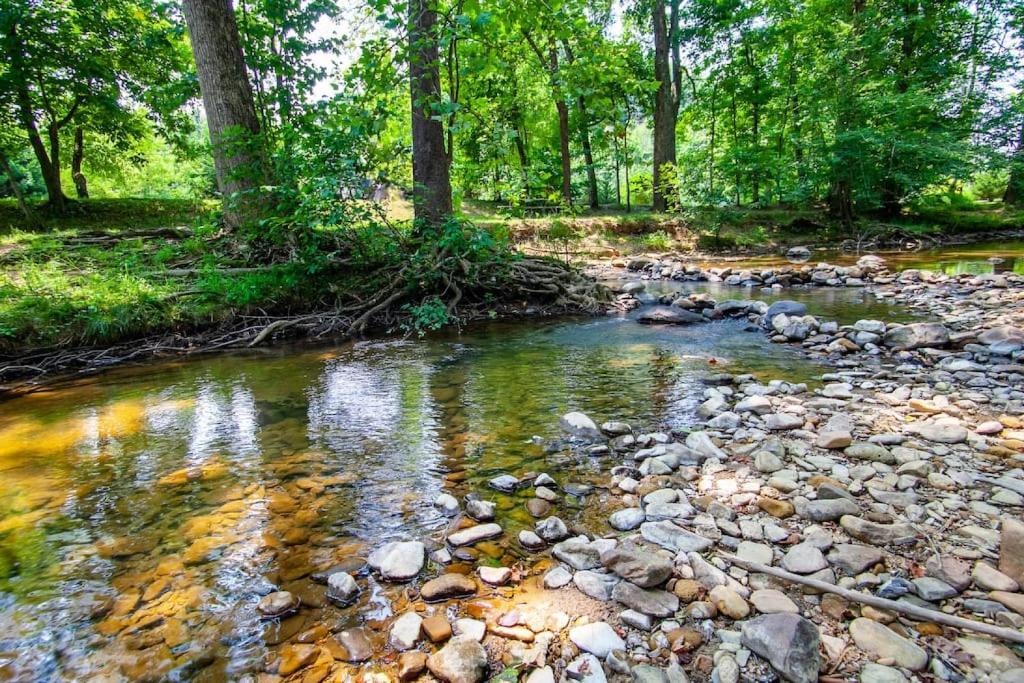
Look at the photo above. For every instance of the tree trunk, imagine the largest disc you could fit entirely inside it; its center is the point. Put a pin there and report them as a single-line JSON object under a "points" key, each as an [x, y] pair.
{"points": [[1015, 187], [524, 162], [81, 185], [432, 188], [230, 111], [588, 152], [664, 110]]}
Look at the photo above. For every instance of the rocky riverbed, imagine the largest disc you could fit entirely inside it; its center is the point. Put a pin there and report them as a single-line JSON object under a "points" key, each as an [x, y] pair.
{"points": [[900, 476]]}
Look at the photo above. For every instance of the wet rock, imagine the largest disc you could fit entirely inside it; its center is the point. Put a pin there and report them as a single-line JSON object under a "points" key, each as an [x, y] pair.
{"points": [[785, 307], [473, 628], [356, 642], [480, 510], [437, 629], [878, 534], [552, 529], [295, 657], [474, 534], [448, 586], [643, 568], [398, 560], [461, 660], [916, 336], [662, 315], [655, 603], [495, 576], [538, 507], [405, 631], [598, 639], [789, 642], [447, 503], [277, 604], [884, 643], [530, 540], [505, 483], [579, 425], [342, 588]]}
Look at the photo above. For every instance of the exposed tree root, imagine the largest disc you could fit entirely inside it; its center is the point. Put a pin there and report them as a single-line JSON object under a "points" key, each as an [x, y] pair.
{"points": [[468, 290]]}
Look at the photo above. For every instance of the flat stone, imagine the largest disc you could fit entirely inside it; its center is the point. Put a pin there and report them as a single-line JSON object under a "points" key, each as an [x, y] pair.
{"points": [[673, 537], [652, 602], [876, 673], [505, 483], [437, 628], [357, 644], [780, 509], [782, 421], [789, 642], [596, 584], [645, 569], [755, 552], [474, 534], [1014, 601], [833, 440], [597, 638], [728, 602], [1011, 549], [882, 642], [663, 315], [829, 510], [579, 425], [557, 577], [585, 669], [853, 559], [495, 576], [448, 586], [932, 589], [804, 558], [296, 656], [990, 656], [771, 601], [988, 578], [878, 534]]}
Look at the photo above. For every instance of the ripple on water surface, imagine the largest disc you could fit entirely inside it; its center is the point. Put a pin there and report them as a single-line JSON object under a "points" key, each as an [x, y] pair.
{"points": [[144, 512]]}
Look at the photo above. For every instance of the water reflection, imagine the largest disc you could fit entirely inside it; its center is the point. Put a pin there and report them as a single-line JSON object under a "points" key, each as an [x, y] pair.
{"points": [[143, 513]]}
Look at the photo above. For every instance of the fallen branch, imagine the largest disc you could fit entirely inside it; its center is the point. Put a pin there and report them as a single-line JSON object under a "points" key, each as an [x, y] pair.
{"points": [[919, 613]]}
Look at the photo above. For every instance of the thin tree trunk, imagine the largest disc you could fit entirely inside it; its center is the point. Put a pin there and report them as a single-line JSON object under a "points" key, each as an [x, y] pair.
{"points": [[735, 145], [664, 110], [711, 152], [230, 111], [563, 149], [524, 163], [1015, 186], [588, 152], [77, 156], [432, 189]]}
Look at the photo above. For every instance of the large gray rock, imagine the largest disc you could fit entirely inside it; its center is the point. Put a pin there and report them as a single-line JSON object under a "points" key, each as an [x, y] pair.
{"points": [[672, 537], [398, 560], [474, 534], [784, 307], [878, 534], [578, 554], [853, 559], [579, 425], [461, 660], [788, 641], [627, 519], [595, 584], [645, 569], [829, 510], [916, 336], [662, 315], [652, 602]]}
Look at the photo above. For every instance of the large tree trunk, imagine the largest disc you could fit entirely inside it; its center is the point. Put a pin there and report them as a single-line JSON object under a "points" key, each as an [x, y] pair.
{"points": [[1015, 187], [230, 111], [432, 189], [77, 156], [664, 109]]}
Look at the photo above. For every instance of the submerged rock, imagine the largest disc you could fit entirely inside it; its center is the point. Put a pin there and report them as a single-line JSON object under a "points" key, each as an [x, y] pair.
{"points": [[398, 560]]}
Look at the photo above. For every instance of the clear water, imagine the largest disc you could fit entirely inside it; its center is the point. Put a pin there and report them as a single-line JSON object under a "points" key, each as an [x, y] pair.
{"points": [[143, 512]]}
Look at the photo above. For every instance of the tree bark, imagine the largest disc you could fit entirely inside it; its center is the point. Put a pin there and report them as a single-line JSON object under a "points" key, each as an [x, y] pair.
{"points": [[524, 161], [664, 109], [588, 152], [230, 111], [563, 149], [432, 189], [77, 156], [1015, 186]]}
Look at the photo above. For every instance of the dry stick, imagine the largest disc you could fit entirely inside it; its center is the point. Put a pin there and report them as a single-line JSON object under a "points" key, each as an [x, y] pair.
{"points": [[914, 611]]}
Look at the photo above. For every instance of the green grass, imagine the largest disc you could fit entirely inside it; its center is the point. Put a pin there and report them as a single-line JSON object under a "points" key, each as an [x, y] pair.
{"points": [[58, 287]]}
